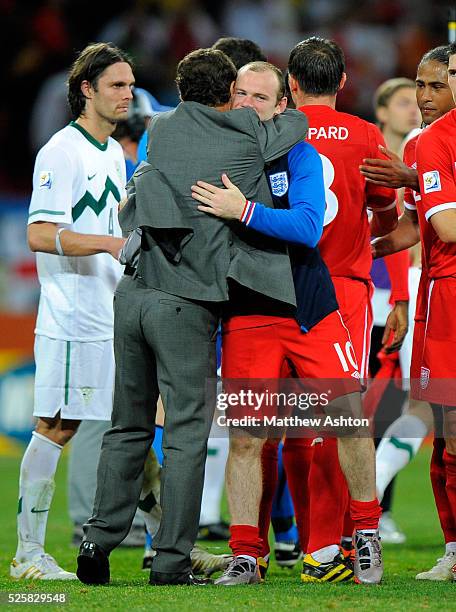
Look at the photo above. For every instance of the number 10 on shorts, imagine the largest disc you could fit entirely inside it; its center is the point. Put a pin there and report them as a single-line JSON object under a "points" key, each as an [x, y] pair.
{"points": [[346, 355]]}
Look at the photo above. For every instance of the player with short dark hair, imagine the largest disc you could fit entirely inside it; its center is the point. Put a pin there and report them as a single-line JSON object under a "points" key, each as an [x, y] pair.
{"points": [[240, 50], [342, 141], [436, 208], [287, 225], [434, 99], [205, 76]]}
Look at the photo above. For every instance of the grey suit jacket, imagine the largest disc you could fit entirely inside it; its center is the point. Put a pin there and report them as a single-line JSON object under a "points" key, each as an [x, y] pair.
{"points": [[186, 252]]}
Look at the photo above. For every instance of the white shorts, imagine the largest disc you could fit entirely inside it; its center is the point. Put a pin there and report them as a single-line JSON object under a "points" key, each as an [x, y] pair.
{"points": [[74, 378]]}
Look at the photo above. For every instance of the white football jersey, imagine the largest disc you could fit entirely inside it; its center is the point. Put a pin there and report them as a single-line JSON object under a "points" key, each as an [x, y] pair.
{"points": [[77, 184]]}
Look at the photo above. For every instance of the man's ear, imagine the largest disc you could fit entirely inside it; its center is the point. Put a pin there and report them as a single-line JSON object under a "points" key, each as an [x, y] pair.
{"points": [[292, 83], [232, 87], [282, 105], [381, 114], [343, 80], [86, 89]]}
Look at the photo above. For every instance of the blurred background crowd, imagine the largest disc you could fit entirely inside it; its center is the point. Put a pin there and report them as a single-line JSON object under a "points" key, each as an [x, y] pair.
{"points": [[381, 39], [40, 38]]}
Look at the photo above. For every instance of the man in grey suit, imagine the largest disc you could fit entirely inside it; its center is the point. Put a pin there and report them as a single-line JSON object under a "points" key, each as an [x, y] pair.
{"points": [[166, 317]]}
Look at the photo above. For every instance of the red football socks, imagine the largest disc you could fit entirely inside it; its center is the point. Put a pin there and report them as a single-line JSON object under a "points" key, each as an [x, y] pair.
{"points": [[450, 469], [270, 477], [297, 456], [439, 481], [365, 515], [328, 497], [245, 540]]}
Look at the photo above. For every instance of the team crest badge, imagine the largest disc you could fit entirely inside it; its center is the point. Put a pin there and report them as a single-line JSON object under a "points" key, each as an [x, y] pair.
{"points": [[87, 394], [431, 181], [45, 181], [424, 377], [279, 183]]}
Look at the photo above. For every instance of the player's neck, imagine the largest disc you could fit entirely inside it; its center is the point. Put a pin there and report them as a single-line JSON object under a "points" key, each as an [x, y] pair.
{"points": [[223, 107], [303, 99], [393, 139], [98, 128]]}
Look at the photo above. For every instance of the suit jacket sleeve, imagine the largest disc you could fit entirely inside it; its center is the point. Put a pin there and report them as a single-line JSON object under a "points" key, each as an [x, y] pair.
{"points": [[278, 135]]}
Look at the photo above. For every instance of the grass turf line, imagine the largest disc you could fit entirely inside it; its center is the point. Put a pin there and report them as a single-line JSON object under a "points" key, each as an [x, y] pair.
{"points": [[413, 509]]}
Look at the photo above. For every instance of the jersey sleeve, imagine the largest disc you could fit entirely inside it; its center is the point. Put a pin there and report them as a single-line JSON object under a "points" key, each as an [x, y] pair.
{"points": [[52, 187], [278, 135], [398, 266], [378, 198], [409, 158], [435, 173], [302, 223]]}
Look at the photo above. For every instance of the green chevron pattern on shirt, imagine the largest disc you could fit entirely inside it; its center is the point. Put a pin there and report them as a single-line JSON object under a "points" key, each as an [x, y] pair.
{"points": [[88, 201]]}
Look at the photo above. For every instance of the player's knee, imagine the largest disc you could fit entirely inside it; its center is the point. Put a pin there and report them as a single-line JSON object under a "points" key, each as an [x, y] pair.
{"points": [[56, 430], [246, 446], [346, 416], [65, 435]]}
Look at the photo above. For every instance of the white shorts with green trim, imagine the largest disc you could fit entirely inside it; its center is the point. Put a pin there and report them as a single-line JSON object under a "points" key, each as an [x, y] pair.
{"points": [[74, 378]]}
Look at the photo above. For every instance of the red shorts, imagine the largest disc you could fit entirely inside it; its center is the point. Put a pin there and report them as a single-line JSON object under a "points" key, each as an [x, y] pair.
{"points": [[438, 366], [354, 299], [325, 352], [417, 358]]}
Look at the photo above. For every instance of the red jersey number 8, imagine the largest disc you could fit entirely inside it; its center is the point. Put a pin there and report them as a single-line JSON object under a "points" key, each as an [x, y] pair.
{"points": [[332, 203]]}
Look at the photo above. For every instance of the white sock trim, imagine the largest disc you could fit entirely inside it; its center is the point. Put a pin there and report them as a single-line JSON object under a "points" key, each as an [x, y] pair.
{"points": [[325, 554], [46, 439]]}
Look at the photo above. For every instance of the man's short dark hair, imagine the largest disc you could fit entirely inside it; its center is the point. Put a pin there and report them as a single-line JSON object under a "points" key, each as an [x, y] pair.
{"points": [[317, 64], [241, 51], [205, 76], [452, 49], [89, 66], [437, 54]]}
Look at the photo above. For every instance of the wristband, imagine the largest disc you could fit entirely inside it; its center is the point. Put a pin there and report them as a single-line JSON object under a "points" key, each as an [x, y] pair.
{"points": [[247, 212], [58, 244]]}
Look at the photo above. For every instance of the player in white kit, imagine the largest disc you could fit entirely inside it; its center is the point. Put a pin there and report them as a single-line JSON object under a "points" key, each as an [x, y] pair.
{"points": [[78, 181]]}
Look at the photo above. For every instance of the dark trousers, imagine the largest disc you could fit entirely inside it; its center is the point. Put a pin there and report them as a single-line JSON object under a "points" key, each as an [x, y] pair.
{"points": [[163, 344]]}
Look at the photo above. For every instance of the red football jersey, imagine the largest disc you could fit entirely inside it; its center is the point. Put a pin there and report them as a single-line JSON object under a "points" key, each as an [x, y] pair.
{"points": [[436, 166], [411, 198], [343, 141], [409, 158]]}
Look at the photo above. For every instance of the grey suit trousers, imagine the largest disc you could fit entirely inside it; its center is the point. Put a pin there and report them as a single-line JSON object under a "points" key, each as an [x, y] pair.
{"points": [[163, 344]]}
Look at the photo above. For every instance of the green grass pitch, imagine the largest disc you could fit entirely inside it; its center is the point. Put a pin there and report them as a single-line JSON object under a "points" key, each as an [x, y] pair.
{"points": [[413, 509]]}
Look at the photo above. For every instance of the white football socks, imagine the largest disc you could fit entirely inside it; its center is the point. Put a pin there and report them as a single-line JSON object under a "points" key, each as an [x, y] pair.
{"points": [[400, 443], [36, 489], [326, 554], [214, 480]]}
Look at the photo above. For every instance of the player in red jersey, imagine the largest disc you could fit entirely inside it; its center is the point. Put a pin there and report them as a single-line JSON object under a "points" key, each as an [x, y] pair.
{"points": [[434, 101], [436, 167], [342, 140], [382, 200]]}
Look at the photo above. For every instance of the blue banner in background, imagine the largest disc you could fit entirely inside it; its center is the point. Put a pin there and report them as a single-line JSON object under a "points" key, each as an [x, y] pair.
{"points": [[16, 401]]}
